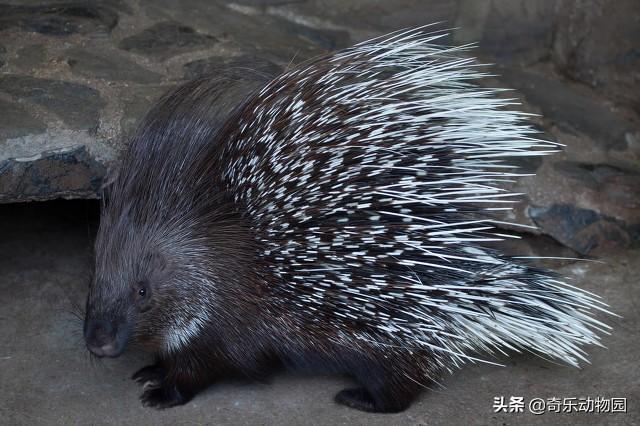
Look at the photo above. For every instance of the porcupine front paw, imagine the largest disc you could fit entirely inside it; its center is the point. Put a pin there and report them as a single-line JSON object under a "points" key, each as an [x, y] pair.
{"points": [[158, 393]]}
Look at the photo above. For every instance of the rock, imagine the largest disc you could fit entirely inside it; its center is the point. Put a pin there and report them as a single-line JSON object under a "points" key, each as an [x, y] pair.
{"points": [[571, 106], [61, 19], [283, 40], [166, 39], [507, 30], [135, 104], [324, 39], [361, 19], [77, 105], [586, 206], [598, 44], [111, 66], [3, 51], [240, 64], [30, 57], [263, 3], [584, 231], [596, 173], [607, 189], [15, 121], [68, 173]]}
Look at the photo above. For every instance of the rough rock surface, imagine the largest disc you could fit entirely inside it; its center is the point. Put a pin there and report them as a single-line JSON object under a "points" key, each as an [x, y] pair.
{"points": [[76, 76]]}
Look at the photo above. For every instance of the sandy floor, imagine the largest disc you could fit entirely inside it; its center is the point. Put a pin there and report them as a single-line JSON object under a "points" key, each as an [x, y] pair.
{"points": [[46, 376]]}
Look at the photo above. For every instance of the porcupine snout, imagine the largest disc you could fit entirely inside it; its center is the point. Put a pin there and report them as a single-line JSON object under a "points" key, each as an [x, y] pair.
{"points": [[104, 338]]}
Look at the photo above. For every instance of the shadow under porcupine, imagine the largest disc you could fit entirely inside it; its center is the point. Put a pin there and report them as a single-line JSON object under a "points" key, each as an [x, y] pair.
{"points": [[332, 222]]}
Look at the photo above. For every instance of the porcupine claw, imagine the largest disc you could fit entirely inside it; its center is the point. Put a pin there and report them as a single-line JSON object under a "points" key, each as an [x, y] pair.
{"points": [[149, 376], [158, 392]]}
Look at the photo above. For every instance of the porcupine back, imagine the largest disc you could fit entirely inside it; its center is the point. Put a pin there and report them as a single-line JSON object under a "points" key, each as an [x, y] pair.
{"points": [[369, 177]]}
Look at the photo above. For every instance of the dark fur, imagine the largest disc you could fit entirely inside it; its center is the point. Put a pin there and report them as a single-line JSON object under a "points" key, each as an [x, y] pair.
{"points": [[168, 225]]}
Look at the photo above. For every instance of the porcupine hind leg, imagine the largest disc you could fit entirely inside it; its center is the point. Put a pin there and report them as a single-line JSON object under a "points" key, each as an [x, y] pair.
{"points": [[386, 388]]}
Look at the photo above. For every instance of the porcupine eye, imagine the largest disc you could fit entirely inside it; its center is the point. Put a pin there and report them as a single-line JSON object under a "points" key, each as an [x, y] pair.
{"points": [[142, 295]]}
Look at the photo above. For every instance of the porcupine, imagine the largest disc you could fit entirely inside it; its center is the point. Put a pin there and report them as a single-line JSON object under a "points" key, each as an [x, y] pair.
{"points": [[333, 222]]}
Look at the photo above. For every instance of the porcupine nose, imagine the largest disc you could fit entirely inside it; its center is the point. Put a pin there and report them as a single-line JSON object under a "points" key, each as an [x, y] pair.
{"points": [[101, 338]]}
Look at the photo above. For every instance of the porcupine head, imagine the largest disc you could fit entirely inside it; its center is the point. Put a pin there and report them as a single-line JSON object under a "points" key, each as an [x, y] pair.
{"points": [[333, 221]]}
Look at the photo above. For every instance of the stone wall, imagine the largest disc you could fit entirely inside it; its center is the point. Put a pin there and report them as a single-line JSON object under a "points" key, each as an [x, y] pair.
{"points": [[76, 76]]}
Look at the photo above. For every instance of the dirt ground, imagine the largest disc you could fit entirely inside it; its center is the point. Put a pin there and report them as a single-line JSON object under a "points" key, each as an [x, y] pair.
{"points": [[46, 376]]}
